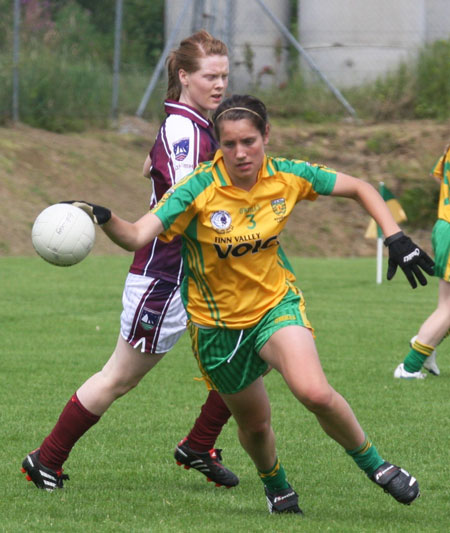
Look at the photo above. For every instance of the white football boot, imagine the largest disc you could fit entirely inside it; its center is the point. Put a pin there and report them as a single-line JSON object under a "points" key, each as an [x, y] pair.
{"points": [[401, 373]]}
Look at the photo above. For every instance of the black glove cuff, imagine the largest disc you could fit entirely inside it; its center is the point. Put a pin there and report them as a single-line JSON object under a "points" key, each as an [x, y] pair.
{"points": [[393, 238], [102, 214]]}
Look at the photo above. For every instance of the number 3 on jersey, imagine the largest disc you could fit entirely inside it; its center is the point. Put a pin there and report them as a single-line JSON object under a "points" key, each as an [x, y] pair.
{"points": [[252, 223]]}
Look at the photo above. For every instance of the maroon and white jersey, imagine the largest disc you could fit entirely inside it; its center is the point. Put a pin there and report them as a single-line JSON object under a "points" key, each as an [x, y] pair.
{"points": [[184, 140]]}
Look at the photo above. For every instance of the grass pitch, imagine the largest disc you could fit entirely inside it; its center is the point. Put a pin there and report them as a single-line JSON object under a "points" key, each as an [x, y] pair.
{"points": [[59, 325]]}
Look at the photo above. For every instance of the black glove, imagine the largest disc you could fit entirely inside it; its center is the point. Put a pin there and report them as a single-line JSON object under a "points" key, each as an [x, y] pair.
{"points": [[99, 215], [403, 252]]}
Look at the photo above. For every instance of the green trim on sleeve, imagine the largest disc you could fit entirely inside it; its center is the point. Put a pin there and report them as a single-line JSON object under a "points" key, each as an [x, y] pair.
{"points": [[178, 198], [322, 179]]}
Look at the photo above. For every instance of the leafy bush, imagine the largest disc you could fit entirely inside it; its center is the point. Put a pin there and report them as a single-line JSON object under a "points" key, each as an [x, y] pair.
{"points": [[389, 97], [5, 88], [66, 58], [62, 95], [297, 99], [416, 90], [433, 81], [421, 202]]}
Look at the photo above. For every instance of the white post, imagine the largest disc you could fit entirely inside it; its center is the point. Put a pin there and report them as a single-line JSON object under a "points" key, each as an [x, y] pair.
{"points": [[379, 260], [380, 247]]}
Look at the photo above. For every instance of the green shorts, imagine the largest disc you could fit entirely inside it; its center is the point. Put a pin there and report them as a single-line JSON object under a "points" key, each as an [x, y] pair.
{"points": [[229, 359], [440, 239]]}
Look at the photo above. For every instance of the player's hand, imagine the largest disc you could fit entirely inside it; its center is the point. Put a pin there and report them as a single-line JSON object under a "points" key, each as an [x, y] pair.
{"points": [[403, 252], [99, 215]]}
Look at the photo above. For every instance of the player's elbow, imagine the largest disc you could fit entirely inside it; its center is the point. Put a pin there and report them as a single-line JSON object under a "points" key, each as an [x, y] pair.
{"points": [[130, 247], [146, 168]]}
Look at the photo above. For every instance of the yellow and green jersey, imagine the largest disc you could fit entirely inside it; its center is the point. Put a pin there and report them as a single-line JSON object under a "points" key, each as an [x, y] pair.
{"points": [[234, 272], [441, 170]]}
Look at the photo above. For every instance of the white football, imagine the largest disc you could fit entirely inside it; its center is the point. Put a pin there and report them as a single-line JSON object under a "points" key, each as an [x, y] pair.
{"points": [[63, 234]]}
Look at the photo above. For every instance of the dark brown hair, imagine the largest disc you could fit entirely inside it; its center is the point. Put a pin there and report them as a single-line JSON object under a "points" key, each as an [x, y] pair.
{"points": [[241, 106]]}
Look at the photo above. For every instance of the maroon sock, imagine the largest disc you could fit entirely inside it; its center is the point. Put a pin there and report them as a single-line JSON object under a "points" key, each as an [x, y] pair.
{"points": [[72, 424], [213, 416]]}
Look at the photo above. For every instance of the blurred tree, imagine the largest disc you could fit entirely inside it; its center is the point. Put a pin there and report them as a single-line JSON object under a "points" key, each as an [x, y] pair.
{"points": [[142, 27], [85, 28], [6, 21]]}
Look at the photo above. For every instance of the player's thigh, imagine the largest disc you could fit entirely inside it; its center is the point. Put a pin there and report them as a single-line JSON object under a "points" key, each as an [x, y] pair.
{"points": [[128, 364], [292, 351], [250, 406]]}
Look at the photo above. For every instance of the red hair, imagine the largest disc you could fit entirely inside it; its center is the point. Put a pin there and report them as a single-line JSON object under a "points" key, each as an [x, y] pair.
{"points": [[198, 45]]}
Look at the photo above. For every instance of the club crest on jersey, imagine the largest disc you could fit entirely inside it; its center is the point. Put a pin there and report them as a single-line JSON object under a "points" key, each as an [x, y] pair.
{"points": [[181, 149], [279, 206], [221, 221], [149, 318]]}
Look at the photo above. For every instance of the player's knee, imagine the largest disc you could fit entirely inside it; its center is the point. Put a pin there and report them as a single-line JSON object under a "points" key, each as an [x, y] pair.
{"points": [[122, 388], [119, 385], [317, 399], [257, 428]]}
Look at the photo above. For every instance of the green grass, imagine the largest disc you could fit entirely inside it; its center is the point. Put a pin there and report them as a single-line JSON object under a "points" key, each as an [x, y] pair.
{"points": [[59, 325]]}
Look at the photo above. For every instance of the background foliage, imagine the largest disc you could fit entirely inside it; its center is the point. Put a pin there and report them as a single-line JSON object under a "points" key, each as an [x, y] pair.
{"points": [[66, 59], [67, 49], [66, 63]]}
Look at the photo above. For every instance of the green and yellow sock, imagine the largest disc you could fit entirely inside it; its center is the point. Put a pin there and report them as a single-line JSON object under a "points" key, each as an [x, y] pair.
{"points": [[275, 478], [416, 357], [366, 457]]}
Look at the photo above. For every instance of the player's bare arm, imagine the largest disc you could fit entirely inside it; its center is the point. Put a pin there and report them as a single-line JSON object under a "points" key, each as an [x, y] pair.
{"points": [[365, 194], [403, 251], [133, 236]]}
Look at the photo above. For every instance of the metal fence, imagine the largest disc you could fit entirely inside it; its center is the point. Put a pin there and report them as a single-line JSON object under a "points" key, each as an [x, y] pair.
{"points": [[340, 43]]}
